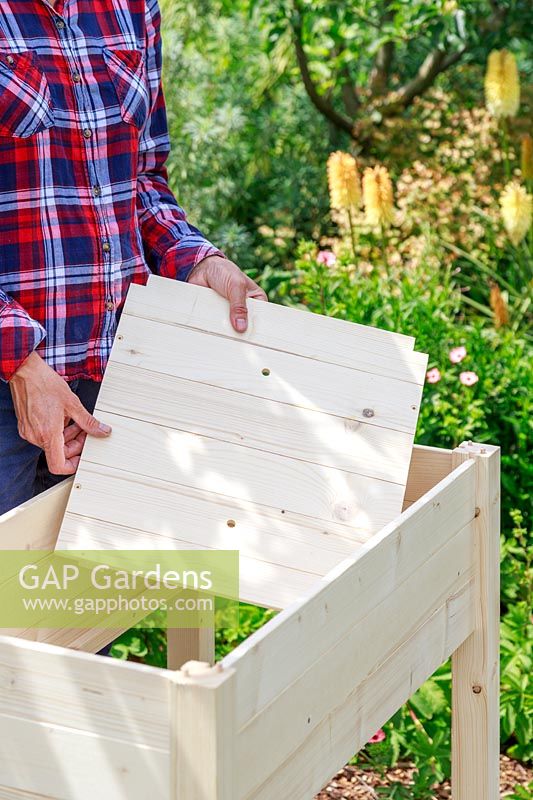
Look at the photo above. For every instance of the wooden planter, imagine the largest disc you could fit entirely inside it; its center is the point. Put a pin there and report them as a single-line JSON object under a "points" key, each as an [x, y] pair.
{"points": [[284, 711]]}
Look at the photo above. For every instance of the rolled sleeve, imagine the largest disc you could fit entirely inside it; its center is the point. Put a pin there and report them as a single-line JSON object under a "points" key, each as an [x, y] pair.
{"points": [[19, 336]]}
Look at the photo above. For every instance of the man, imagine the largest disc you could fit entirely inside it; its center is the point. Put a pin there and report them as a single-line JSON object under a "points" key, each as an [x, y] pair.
{"points": [[85, 210]]}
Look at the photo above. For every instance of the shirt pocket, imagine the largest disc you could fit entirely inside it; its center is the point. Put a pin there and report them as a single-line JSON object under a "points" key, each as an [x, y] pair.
{"points": [[127, 73], [25, 101]]}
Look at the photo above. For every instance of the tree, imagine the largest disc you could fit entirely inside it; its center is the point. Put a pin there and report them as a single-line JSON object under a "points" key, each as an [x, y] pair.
{"points": [[362, 61]]}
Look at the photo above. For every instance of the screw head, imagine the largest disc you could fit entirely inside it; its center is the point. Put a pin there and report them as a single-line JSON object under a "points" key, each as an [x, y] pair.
{"points": [[368, 412], [476, 689]]}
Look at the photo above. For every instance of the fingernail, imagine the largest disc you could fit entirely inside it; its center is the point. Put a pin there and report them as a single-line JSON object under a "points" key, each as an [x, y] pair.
{"points": [[240, 323], [104, 428]]}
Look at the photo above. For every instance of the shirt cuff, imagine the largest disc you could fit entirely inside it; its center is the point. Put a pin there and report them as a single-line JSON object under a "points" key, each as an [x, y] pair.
{"points": [[180, 259], [19, 336]]}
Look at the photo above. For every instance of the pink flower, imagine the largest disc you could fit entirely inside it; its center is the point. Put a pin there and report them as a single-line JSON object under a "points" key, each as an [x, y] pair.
{"points": [[433, 375], [377, 737], [468, 378], [327, 257], [457, 354]]}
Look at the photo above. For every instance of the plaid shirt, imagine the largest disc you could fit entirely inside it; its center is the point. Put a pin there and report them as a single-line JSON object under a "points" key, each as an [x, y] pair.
{"points": [[85, 207]]}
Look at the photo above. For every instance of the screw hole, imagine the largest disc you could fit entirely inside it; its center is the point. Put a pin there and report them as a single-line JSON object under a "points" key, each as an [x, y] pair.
{"points": [[120, 337], [265, 372], [231, 523], [77, 485]]}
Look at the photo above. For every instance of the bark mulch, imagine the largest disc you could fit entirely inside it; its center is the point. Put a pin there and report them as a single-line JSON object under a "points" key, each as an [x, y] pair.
{"points": [[353, 783]]}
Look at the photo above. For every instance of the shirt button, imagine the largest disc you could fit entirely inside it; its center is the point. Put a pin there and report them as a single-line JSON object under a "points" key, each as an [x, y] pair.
{"points": [[10, 60], [76, 77], [97, 190], [87, 133], [60, 23], [110, 305], [106, 247]]}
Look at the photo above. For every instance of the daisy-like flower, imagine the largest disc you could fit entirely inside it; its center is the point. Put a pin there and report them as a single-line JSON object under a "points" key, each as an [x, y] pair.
{"points": [[327, 257], [343, 181], [517, 209], [502, 84], [378, 196], [468, 378], [378, 737], [457, 354], [433, 375]]}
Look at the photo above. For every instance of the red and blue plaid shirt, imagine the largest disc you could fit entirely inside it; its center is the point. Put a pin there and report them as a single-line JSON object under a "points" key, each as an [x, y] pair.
{"points": [[85, 206]]}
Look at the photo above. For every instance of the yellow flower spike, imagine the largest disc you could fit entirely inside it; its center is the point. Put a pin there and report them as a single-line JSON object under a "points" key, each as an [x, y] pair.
{"points": [[517, 207], [527, 157], [498, 306], [502, 84], [378, 196], [344, 182]]}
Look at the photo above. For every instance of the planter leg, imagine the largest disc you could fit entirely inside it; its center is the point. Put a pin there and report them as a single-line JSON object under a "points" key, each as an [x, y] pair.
{"points": [[476, 663]]}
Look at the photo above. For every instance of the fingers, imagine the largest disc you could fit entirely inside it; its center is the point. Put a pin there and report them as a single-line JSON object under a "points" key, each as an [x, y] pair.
{"points": [[87, 422], [71, 432], [238, 312], [54, 450], [254, 291]]}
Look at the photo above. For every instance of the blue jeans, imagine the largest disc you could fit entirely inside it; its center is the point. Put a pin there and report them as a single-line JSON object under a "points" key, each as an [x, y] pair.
{"points": [[23, 469]]}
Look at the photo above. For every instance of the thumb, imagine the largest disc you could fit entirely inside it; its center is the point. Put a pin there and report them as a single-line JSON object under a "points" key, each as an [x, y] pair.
{"points": [[87, 422], [238, 311]]}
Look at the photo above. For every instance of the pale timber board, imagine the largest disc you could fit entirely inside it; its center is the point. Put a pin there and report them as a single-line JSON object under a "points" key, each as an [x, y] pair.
{"points": [[428, 466], [238, 366], [278, 428], [278, 327], [372, 702], [270, 660], [184, 459], [67, 763], [35, 525], [267, 584], [100, 696], [16, 794], [296, 711]]}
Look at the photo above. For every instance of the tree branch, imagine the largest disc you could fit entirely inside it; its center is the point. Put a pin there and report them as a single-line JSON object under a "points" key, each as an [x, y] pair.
{"points": [[318, 100]]}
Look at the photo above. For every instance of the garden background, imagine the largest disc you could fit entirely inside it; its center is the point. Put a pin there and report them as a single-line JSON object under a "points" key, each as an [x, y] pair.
{"points": [[419, 222]]}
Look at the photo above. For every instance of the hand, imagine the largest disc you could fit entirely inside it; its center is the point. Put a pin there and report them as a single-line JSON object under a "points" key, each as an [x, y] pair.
{"points": [[228, 280], [45, 405]]}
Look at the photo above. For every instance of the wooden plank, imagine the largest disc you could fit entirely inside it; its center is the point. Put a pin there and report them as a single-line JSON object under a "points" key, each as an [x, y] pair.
{"points": [[202, 714], [428, 466], [35, 525], [372, 702], [476, 663], [271, 585], [39, 757], [239, 366], [373, 637], [218, 421], [14, 794], [270, 659], [228, 470], [278, 327], [279, 428], [101, 696], [190, 644], [73, 723]]}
